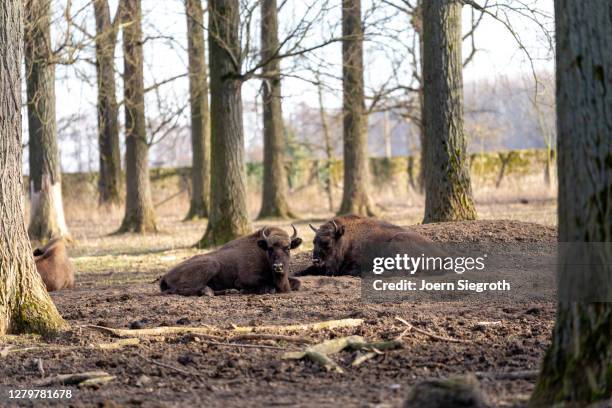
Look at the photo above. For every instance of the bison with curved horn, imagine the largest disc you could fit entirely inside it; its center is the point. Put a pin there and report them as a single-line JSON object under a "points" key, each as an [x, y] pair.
{"points": [[256, 263], [341, 244]]}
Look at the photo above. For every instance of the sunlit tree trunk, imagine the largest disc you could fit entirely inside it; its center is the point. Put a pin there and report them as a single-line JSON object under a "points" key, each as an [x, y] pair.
{"points": [[108, 110], [448, 192], [274, 198], [228, 211], [355, 197], [46, 208], [200, 118], [139, 212], [329, 150], [577, 369], [25, 305]]}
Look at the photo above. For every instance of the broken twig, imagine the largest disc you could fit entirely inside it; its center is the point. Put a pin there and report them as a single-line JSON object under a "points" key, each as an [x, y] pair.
{"points": [[72, 379], [432, 335]]}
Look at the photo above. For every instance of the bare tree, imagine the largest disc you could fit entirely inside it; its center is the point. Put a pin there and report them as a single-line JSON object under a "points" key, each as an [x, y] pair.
{"points": [[576, 369], [200, 117], [139, 211], [448, 192], [355, 198], [274, 198], [228, 216], [46, 208], [25, 305], [108, 110]]}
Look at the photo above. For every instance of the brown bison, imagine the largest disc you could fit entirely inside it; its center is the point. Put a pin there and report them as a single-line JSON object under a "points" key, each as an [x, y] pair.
{"points": [[256, 263], [54, 266], [339, 243]]}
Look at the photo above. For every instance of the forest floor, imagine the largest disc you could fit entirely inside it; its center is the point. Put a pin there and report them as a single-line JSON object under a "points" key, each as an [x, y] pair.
{"points": [[116, 288]]}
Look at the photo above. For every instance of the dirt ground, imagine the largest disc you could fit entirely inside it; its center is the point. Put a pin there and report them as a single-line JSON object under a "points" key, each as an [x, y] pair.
{"points": [[116, 289]]}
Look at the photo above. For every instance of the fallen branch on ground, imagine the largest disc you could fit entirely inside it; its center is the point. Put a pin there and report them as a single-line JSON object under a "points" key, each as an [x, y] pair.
{"points": [[261, 346], [319, 352], [118, 344], [75, 379], [94, 382], [318, 326], [156, 331], [264, 336], [432, 335], [207, 330], [102, 346]]}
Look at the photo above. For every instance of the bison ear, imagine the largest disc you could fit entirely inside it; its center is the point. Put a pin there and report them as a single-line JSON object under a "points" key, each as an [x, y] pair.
{"points": [[296, 242], [340, 231], [263, 244]]}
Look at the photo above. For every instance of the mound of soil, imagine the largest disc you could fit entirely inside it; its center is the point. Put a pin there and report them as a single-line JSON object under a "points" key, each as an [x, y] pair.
{"points": [[187, 370]]}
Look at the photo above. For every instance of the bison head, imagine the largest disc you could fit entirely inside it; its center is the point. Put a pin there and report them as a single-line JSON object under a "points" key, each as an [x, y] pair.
{"points": [[326, 244], [277, 247]]}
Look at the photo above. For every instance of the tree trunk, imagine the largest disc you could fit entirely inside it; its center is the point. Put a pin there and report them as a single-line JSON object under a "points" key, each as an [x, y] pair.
{"points": [[228, 216], [139, 212], [329, 150], [417, 24], [448, 192], [355, 197], [274, 198], [200, 118], [577, 367], [109, 181], [25, 305], [46, 208]]}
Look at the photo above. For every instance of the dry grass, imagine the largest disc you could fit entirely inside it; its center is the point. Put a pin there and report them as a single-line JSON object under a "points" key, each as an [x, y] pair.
{"points": [[127, 257]]}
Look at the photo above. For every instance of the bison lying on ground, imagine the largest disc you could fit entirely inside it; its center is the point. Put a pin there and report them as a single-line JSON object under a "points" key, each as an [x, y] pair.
{"points": [[256, 263], [54, 266], [339, 244]]}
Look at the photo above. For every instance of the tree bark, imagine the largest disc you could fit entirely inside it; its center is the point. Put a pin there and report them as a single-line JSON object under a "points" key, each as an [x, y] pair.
{"points": [[25, 305], [109, 181], [448, 192], [200, 117], [417, 25], [139, 212], [46, 208], [274, 198], [228, 216], [329, 150], [577, 368], [355, 197]]}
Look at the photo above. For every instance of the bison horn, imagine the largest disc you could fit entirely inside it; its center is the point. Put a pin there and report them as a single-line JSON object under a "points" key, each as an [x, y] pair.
{"points": [[312, 228], [294, 236], [263, 232], [335, 225]]}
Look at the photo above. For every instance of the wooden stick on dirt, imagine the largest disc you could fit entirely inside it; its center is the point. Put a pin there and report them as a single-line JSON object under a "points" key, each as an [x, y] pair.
{"points": [[207, 330], [319, 352], [432, 335], [317, 326], [260, 346], [102, 346], [156, 331], [72, 379], [264, 336]]}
